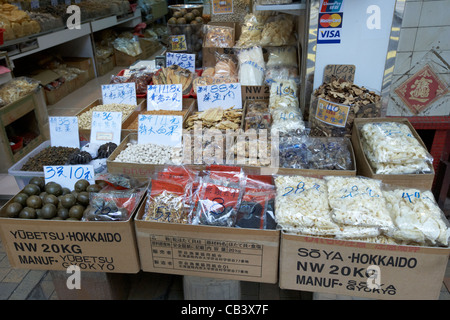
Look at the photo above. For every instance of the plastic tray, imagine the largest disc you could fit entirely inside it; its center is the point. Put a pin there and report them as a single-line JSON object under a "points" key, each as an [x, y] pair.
{"points": [[23, 177]]}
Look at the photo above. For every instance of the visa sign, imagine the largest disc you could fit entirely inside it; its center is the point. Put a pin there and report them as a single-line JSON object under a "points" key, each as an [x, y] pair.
{"points": [[329, 36]]}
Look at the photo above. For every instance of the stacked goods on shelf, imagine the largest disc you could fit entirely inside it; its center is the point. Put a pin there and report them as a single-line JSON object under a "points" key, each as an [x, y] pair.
{"points": [[17, 23]]}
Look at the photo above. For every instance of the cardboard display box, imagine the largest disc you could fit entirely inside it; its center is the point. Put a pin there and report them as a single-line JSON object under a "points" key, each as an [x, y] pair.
{"points": [[125, 60], [28, 112], [418, 181], [94, 246], [105, 66], [86, 64], [207, 251], [342, 267], [85, 134]]}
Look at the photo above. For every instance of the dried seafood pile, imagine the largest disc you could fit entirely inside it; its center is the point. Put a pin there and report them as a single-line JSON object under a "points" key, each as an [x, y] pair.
{"points": [[216, 118], [363, 103], [175, 75]]}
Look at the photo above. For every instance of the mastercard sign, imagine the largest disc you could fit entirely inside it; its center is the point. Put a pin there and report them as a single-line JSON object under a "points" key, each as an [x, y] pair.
{"points": [[330, 20]]}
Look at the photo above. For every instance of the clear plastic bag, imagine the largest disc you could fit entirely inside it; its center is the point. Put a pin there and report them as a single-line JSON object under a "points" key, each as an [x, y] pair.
{"points": [[417, 217], [218, 36], [278, 31], [274, 74], [251, 30], [358, 201], [282, 56], [391, 148], [251, 66]]}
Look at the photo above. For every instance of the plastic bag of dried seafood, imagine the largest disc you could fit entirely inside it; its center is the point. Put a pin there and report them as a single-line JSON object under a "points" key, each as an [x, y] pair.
{"points": [[335, 105], [391, 148], [417, 216], [251, 66], [251, 30], [358, 201]]}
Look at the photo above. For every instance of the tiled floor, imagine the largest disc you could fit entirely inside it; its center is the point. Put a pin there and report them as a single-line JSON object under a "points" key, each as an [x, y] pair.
{"points": [[18, 284]]}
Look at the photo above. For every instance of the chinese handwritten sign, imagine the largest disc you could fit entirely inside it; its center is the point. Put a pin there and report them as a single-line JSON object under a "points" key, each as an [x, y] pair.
{"points": [[66, 176], [332, 113], [160, 129], [106, 127], [119, 93], [184, 60], [224, 95], [64, 132], [164, 97]]}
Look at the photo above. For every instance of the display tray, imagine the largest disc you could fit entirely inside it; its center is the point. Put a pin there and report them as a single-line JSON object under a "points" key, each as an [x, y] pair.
{"points": [[207, 251], [94, 246], [418, 181]]}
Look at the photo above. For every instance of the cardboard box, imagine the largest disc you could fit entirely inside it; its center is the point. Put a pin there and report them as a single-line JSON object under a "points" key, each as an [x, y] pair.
{"points": [[28, 112], [94, 246], [81, 63], [105, 66], [85, 134], [418, 181], [207, 251], [125, 60], [149, 47], [339, 267]]}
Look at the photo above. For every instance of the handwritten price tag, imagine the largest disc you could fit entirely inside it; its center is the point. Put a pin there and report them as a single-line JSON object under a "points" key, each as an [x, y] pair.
{"points": [[106, 127], [225, 96], [164, 97], [178, 42], [184, 60], [64, 132], [160, 129], [119, 93], [66, 176]]}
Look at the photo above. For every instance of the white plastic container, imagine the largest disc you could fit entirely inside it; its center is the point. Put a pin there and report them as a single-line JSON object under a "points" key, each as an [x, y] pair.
{"points": [[23, 177]]}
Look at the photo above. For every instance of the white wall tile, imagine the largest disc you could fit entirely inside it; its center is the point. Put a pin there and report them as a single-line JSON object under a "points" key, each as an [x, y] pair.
{"points": [[411, 15], [428, 37], [435, 13], [402, 62], [407, 39]]}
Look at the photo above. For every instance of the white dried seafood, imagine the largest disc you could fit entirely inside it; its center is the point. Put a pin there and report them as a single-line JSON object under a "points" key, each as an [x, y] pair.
{"points": [[417, 217], [392, 142], [358, 201], [302, 206]]}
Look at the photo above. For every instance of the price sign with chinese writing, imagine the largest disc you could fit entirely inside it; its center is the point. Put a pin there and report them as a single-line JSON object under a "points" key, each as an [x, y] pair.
{"points": [[224, 95], [164, 97], [184, 60], [66, 176], [106, 127], [332, 113], [222, 6], [64, 132], [160, 129], [119, 93]]}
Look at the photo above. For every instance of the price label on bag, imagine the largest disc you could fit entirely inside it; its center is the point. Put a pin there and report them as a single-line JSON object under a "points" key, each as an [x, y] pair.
{"points": [[66, 176], [106, 127], [64, 132], [165, 97], [160, 129], [122, 93], [226, 95]]}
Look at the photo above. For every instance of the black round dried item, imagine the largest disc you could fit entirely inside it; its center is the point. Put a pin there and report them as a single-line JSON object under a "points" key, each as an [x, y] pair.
{"points": [[106, 149], [51, 156], [250, 215], [82, 157]]}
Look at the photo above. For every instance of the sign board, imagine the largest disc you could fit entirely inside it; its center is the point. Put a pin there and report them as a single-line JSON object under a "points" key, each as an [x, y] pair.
{"points": [[165, 97], [64, 132], [183, 60], [121, 93], [66, 176], [106, 127], [226, 95], [160, 129]]}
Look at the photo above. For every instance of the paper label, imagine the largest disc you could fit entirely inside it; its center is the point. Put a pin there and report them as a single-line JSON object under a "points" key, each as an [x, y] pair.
{"points": [[178, 42], [106, 127], [160, 129], [222, 6], [64, 132], [164, 97], [66, 176], [332, 113], [122, 93], [224, 95], [184, 60]]}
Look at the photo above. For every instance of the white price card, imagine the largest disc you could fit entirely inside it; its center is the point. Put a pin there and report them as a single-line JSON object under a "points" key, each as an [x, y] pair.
{"points": [[106, 127], [165, 97], [124, 93], [64, 132], [66, 176], [183, 60], [160, 129], [226, 95]]}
